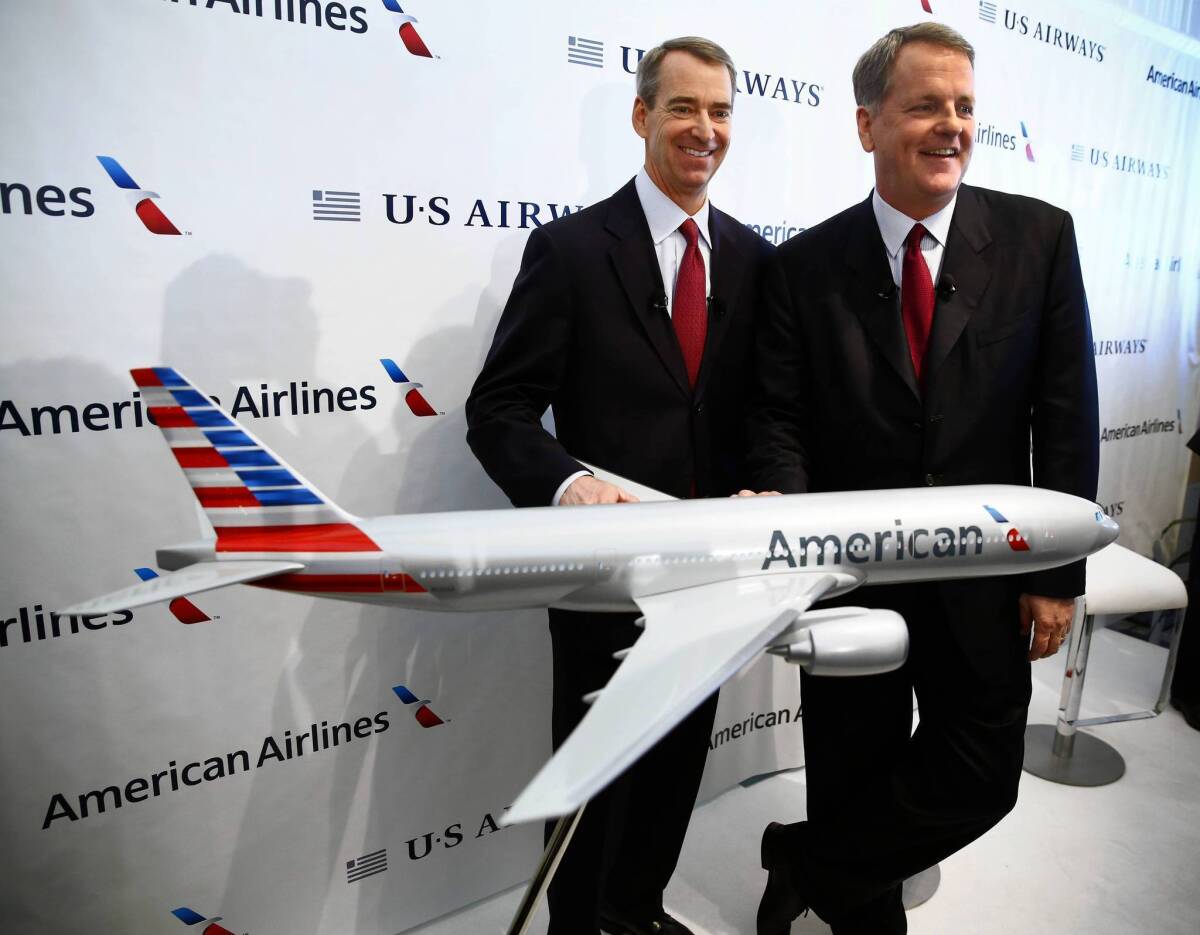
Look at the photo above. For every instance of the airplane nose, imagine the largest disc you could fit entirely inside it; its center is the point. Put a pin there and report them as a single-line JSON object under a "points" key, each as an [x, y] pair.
{"points": [[1107, 530]]}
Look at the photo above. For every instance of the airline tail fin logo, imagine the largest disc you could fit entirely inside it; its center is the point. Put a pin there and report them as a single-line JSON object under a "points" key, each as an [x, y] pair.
{"points": [[1013, 537], [424, 714], [1016, 541], [926, 7], [183, 609], [143, 201], [1028, 143], [192, 917], [417, 403], [255, 502], [408, 30]]}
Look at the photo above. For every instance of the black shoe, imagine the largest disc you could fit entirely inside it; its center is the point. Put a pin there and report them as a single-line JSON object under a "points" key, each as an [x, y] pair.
{"points": [[1190, 711], [780, 904], [615, 922]]}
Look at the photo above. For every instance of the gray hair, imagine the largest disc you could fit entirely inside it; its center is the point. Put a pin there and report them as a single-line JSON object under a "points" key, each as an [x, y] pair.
{"points": [[649, 69], [873, 73]]}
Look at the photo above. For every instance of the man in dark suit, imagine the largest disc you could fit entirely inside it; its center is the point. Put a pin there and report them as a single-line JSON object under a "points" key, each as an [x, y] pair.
{"points": [[934, 334], [631, 320]]}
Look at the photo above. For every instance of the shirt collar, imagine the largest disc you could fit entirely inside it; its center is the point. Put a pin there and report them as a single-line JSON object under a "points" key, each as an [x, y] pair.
{"points": [[894, 225], [662, 214]]}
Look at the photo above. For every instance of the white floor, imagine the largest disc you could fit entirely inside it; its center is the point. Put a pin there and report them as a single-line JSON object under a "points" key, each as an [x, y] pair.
{"points": [[1115, 860]]}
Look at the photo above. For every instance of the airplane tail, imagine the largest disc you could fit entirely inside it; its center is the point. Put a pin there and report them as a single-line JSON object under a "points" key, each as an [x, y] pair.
{"points": [[254, 501]]}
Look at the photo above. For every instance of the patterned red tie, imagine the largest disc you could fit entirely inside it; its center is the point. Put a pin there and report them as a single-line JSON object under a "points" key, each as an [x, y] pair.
{"points": [[689, 312], [916, 298]]}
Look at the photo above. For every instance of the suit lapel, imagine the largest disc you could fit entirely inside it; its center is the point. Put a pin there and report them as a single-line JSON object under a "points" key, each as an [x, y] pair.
{"points": [[726, 275], [964, 263], [636, 266], [873, 295]]}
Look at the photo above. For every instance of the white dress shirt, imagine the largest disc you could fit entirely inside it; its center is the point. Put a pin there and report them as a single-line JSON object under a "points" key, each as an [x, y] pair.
{"points": [[664, 218], [894, 227]]}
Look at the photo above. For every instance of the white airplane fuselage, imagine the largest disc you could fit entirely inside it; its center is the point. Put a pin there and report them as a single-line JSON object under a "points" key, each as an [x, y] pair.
{"points": [[604, 557]]}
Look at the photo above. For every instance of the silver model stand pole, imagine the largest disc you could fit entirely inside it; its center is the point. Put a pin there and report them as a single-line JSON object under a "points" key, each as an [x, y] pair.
{"points": [[559, 839], [920, 887], [1059, 753]]}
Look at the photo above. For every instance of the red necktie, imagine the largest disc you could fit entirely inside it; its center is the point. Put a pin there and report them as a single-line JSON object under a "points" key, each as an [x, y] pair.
{"points": [[916, 298], [689, 312]]}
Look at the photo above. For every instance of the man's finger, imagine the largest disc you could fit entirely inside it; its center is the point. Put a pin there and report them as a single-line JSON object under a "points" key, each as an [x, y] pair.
{"points": [[1026, 613]]}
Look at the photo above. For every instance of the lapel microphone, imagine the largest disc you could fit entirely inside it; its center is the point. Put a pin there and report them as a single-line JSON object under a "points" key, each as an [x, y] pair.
{"points": [[946, 286], [888, 291], [658, 303]]}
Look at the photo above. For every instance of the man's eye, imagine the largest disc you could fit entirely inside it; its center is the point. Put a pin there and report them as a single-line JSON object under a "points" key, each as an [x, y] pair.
{"points": [[967, 110], [722, 114]]}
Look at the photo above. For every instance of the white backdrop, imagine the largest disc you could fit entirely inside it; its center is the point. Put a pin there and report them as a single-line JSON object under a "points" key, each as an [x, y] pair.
{"points": [[243, 120]]}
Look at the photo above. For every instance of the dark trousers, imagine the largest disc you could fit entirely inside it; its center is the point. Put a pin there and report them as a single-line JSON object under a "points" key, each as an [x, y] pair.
{"points": [[884, 806], [627, 843]]}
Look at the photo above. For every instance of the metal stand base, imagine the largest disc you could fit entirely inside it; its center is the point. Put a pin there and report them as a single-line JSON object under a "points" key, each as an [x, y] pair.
{"points": [[1085, 761], [559, 840], [917, 889]]}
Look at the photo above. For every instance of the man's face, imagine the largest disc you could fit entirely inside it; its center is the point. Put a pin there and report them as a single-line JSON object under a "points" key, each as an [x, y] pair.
{"points": [[687, 129], [921, 132]]}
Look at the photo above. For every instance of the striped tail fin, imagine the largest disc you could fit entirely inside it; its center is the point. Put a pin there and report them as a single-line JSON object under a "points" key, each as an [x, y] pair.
{"points": [[255, 502]]}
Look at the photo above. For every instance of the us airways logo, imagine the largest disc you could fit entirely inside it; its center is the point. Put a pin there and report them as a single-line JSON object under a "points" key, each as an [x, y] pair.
{"points": [[763, 84], [1121, 163], [408, 30], [191, 917], [1126, 347], [142, 200], [423, 713], [1053, 35]]}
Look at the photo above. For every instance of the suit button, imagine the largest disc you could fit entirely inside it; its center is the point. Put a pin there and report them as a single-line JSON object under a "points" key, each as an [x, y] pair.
{"points": [[934, 420], [699, 409], [932, 480], [917, 426]]}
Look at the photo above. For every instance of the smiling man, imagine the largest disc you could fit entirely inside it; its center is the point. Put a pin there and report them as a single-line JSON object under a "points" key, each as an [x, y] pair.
{"points": [[934, 334], [631, 321]]}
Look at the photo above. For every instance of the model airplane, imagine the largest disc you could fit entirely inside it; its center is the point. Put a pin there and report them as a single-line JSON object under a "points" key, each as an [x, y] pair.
{"points": [[717, 581]]}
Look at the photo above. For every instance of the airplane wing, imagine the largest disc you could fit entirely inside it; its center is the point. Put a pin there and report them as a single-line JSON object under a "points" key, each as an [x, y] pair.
{"points": [[203, 576], [695, 639], [641, 491]]}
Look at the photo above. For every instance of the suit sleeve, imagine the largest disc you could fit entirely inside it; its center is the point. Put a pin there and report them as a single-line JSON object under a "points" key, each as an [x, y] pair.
{"points": [[1064, 418], [521, 377], [777, 458]]}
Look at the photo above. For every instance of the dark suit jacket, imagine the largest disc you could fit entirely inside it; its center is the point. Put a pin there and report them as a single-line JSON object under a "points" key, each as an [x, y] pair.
{"points": [[1009, 365], [585, 331]]}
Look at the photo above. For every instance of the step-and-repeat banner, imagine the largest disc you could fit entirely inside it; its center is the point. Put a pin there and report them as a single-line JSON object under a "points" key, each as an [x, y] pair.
{"points": [[275, 195]]}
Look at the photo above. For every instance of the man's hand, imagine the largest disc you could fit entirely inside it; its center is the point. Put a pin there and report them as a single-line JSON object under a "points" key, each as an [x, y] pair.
{"points": [[757, 493], [1050, 618], [588, 489]]}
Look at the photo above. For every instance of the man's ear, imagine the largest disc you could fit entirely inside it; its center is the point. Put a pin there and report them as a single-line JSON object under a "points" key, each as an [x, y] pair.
{"points": [[863, 118], [640, 110]]}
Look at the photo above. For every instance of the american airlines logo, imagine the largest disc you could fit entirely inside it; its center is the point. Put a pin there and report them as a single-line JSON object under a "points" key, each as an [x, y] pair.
{"points": [[183, 609], [408, 30], [142, 200], [862, 547], [208, 926], [423, 713]]}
